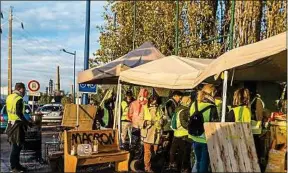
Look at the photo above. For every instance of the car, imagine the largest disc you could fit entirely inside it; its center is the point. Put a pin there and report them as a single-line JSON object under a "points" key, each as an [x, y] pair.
{"points": [[4, 116], [51, 113]]}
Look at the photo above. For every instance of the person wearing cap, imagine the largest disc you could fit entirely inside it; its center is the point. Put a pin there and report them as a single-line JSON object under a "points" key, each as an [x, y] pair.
{"points": [[17, 125], [125, 120]]}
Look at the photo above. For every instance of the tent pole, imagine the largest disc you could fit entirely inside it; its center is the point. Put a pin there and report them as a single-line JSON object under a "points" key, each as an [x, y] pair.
{"points": [[116, 104], [77, 112], [225, 81], [224, 95], [119, 112]]}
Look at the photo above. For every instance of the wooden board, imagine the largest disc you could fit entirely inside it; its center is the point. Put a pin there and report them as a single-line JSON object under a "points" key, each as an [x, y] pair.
{"points": [[108, 149], [107, 139], [231, 147], [87, 114]]}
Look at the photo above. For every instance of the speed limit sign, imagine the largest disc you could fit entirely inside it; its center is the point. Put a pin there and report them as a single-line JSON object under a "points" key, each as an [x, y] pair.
{"points": [[33, 85]]}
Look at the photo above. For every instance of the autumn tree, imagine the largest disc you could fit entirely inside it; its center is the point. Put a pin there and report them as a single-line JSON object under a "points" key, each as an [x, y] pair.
{"points": [[203, 26]]}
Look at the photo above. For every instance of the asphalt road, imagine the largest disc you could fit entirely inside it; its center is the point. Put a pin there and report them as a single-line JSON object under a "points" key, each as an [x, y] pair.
{"points": [[33, 166]]}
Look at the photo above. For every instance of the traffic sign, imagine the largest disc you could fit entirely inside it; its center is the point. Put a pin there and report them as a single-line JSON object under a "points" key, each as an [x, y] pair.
{"points": [[37, 94], [33, 85], [87, 88]]}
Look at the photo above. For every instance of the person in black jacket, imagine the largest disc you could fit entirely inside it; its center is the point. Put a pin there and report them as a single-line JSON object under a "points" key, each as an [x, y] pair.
{"points": [[109, 104]]}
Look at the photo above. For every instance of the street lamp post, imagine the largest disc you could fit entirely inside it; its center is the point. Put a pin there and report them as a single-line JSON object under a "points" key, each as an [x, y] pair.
{"points": [[74, 54]]}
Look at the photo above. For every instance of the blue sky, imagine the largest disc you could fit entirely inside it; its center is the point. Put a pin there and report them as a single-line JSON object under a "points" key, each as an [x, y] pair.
{"points": [[48, 27]]}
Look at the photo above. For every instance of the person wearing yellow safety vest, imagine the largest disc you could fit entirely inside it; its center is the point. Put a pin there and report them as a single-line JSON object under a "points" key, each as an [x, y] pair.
{"points": [[180, 143], [240, 111], [151, 118], [169, 110], [206, 102], [17, 125], [126, 126]]}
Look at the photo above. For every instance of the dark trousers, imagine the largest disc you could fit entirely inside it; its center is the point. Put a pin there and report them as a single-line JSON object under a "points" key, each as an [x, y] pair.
{"points": [[15, 156], [135, 136], [111, 119], [202, 157], [181, 146], [169, 139]]}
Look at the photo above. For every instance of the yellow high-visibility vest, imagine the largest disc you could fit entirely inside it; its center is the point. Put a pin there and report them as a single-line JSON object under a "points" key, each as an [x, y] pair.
{"points": [[180, 131], [148, 116], [242, 114], [125, 108], [11, 101], [218, 104]]}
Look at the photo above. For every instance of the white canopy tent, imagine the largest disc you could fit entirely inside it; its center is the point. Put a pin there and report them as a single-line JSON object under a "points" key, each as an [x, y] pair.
{"points": [[265, 60], [109, 73], [171, 72]]}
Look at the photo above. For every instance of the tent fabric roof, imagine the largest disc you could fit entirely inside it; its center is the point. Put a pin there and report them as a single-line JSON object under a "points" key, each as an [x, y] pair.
{"points": [[265, 60], [170, 72], [109, 73]]}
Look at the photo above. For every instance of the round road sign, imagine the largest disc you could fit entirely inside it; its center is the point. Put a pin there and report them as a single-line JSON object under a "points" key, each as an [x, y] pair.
{"points": [[33, 85]]}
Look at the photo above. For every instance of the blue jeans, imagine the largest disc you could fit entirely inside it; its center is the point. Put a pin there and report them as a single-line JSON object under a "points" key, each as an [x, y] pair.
{"points": [[202, 157]]}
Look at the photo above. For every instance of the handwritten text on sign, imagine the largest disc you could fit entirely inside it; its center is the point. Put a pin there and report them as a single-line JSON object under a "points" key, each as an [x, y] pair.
{"points": [[103, 137]]}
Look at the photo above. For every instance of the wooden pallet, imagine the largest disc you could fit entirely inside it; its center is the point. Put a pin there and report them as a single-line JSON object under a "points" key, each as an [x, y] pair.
{"points": [[87, 114], [231, 147]]}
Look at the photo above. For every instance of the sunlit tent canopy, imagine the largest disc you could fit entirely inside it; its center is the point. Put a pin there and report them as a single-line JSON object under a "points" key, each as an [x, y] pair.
{"points": [[265, 60], [171, 72], [109, 73]]}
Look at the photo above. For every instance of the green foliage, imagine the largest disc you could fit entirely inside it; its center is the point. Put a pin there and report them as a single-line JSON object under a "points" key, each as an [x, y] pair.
{"points": [[155, 22], [97, 98], [66, 100], [45, 99]]}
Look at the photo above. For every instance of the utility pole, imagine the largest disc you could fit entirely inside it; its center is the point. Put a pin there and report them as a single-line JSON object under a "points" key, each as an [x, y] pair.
{"points": [[134, 23], [73, 93], [10, 53], [176, 28], [86, 49]]}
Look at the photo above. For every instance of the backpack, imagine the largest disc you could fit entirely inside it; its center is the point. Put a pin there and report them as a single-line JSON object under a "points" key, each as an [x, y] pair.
{"points": [[168, 125], [196, 121]]}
